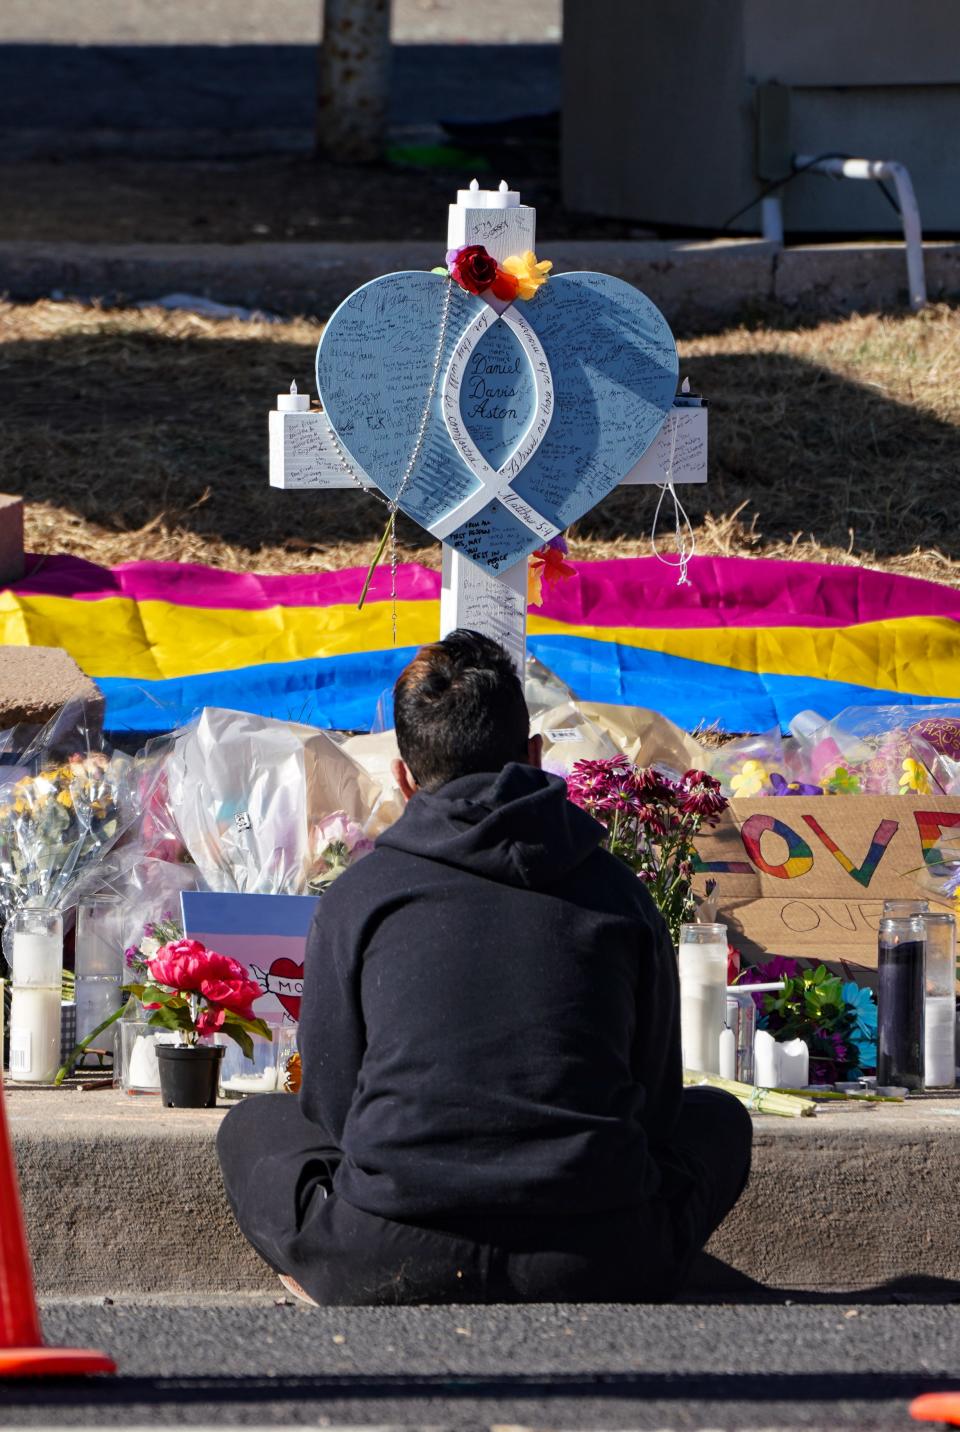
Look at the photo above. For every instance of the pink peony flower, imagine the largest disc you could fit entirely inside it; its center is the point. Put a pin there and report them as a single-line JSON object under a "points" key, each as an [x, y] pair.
{"points": [[190, 968], [210, 1021]]}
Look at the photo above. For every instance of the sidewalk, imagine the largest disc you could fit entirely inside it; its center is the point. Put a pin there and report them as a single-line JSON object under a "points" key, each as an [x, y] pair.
{"points": [[701, 284], [851, 1201]]}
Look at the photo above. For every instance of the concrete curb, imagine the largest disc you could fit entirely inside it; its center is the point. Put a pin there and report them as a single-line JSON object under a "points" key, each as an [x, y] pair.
{"points": [[856, 1199], [696, 283]]}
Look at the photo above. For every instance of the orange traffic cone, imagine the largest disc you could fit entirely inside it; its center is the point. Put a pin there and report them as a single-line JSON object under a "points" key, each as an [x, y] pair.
{"points": [[937, 1407], [22, 1353]]}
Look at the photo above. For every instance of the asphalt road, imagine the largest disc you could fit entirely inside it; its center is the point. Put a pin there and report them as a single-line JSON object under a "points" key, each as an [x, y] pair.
{"points": [[260, 1363], [141, 75], [146, 89]]}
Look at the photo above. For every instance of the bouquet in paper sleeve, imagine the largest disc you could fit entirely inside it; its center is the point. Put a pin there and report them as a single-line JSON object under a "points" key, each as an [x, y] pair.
{"points": [[652, 822], [197, 992]]}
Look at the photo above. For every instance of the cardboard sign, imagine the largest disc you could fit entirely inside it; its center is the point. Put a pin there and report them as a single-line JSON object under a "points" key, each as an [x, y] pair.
{"points": [[807, 876], [538, 408], [267, 934]]}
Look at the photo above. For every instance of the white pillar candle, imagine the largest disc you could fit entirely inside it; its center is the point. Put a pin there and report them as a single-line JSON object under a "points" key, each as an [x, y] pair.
{"points": [[34, 1034], [728, 1054], [293, 402], [939, 1048], [766, 1060], [794, 1064], [703, 1003]]}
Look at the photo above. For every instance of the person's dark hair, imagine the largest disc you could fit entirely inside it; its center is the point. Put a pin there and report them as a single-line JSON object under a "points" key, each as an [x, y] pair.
{"points": [[458, 709]]}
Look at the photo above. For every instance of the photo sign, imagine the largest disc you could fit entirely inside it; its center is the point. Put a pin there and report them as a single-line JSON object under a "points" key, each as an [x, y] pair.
{"points": [[807, 876], [267, 934], [540, 408]]}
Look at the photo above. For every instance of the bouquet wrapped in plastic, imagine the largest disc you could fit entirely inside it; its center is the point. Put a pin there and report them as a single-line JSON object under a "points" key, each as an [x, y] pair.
{"points": [[265, 807], [63, 809], [879, 750]]}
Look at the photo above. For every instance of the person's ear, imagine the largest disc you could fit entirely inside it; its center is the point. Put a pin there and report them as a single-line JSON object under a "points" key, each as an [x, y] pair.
{"points": [[401, 774], [535, 751]]}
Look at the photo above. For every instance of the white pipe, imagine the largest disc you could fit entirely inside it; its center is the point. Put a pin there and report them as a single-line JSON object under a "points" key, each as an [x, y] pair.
{"points": [[755, 988], [771, 219], [899, 176]]}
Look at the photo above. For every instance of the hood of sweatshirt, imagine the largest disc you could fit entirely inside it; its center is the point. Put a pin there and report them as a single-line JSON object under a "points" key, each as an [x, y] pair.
{"points": [[515, 826]]}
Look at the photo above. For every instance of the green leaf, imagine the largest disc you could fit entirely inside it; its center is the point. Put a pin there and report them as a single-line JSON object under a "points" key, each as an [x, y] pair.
{"points": [[171, 1016], [253, 1026], [78, 1051], [240, 1036], [151, 994]]}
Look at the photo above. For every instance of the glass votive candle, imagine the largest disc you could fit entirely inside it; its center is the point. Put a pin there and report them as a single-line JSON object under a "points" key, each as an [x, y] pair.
{"points": [[288, 1059], [241, 1076], [900, 909], [742, 1019], [139, 1072]]}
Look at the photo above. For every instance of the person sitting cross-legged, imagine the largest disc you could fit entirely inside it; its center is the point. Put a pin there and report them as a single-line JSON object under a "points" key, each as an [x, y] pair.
{"points": [[492, 1107]]}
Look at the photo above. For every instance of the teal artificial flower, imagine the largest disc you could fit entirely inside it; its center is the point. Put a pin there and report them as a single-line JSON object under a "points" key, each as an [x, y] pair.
{"points": [[863, 1006]]}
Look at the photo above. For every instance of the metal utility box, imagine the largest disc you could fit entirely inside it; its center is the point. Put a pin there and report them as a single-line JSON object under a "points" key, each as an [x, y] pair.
{"points": [[677, 115]]}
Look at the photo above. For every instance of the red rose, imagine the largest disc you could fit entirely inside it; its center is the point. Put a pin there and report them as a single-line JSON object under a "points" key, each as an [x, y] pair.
{"points": [[472, 267]]}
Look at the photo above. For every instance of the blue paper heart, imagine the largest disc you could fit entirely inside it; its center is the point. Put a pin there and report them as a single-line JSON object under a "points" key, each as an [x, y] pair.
{"points": [[613, 363]]}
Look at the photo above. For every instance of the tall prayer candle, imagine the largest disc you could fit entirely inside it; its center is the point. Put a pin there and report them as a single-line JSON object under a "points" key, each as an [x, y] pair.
{"points": [[99, 965], [900, 1001], [939, 1007], [35, 1006], [703, 995]]}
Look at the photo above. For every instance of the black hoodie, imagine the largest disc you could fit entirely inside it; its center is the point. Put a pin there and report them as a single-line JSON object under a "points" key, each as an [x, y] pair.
{"points": [[490, 1018]]}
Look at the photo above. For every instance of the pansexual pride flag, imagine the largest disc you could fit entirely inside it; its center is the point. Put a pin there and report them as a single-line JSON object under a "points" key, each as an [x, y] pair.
{"points": [[748, 644]]}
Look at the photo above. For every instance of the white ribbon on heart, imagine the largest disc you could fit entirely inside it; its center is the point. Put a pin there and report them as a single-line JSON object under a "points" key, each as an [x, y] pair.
{"points": [[497, 482]]}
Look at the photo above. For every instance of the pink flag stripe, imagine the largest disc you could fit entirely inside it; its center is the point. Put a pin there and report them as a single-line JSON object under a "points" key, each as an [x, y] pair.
{"points": [[739, 592], [621, 592], [187, 584]]}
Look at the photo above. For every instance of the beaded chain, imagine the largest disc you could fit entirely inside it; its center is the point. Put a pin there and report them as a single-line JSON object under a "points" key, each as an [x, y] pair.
{"points": [[392, 504]]}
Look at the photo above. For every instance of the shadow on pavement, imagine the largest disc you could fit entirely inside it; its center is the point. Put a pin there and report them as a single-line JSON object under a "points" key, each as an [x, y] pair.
{"points": [[792, 1387]]}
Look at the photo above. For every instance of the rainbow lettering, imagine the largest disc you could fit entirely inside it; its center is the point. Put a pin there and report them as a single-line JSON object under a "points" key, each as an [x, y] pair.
{"points": [[721, 867], [882, 837], [931, 824], [799, 855]]}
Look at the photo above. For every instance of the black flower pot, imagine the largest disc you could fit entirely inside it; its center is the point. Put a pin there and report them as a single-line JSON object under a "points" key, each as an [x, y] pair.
{"points": [[189, 1074]]}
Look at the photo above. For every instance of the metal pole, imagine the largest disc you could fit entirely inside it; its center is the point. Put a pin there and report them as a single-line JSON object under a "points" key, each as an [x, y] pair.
{"points": [[354, 81]]}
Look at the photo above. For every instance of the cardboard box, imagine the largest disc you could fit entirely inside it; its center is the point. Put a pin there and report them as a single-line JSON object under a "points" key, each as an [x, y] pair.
{"points": [[807, 876]]}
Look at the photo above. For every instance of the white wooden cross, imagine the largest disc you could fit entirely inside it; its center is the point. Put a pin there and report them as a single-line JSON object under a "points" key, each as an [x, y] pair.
{"points": [[303, 454]]}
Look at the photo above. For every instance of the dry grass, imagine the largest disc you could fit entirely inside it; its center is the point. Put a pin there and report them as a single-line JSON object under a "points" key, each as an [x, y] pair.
{"points": [[143, 434]]}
